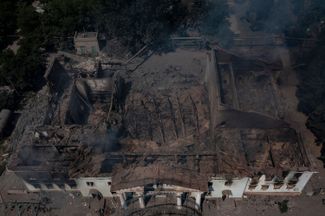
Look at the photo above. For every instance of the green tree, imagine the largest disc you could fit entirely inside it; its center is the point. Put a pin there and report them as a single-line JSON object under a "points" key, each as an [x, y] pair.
{"points": [[28, 21], [140, 22], [213, 21], [7, 22], [22, 71]]}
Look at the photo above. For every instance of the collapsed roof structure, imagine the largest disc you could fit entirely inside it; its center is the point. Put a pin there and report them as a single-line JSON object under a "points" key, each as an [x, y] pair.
{"points": [[184, 118]]}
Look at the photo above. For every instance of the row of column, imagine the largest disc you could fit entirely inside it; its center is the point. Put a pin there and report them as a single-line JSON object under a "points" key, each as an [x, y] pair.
{"points": [[196, 195]]}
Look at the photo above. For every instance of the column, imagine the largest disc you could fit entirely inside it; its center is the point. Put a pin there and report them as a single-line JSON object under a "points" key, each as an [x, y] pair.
{"points": [[179, 200], [141, 200], [121, 196], [303, 180], [261, 181], [198, 200]]}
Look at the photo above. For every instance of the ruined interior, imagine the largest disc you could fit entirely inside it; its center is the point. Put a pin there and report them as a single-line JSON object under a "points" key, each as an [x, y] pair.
{"points": [[159, 123], [165, 107]]}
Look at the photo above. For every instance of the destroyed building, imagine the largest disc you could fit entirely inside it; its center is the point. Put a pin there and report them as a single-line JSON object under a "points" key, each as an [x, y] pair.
{"points": [[203, 124]]}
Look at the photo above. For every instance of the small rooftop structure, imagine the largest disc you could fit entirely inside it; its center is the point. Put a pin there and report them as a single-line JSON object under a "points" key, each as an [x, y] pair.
{"points": [[86, 43]]}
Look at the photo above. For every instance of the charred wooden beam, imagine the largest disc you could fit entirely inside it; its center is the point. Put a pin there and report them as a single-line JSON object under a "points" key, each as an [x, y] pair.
{"points": [[194, 108], [161, 126], [150, 130], [270, 151], [242, 142], [173, 117], [182, 116]]}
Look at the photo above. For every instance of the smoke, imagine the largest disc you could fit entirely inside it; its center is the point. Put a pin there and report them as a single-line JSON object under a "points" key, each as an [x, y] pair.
{"points": [[33, 156], [103, 142], [273, 16], [106, 143], [215, 23]]}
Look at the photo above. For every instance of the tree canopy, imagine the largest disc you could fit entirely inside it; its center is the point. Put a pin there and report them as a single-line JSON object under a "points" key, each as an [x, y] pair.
{"points": [[134, 23], [7, 22]]}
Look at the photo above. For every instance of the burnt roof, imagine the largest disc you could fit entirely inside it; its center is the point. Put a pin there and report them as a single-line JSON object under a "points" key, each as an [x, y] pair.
{"points": [[165, 113]]}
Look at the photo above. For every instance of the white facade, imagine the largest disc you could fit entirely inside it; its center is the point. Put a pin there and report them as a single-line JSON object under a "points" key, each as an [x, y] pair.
{"points": [[274, 188], [293, 184], [235, 190], [88, 185]]}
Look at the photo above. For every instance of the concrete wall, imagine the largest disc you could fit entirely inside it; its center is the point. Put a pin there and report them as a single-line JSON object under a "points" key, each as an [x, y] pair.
{"points": [[240, 187], [45, 187], [236, 188], [265, 187], [88, 185]]}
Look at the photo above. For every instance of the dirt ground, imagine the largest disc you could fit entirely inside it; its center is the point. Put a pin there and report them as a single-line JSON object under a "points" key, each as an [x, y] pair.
{"points": [[267, 206]]}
